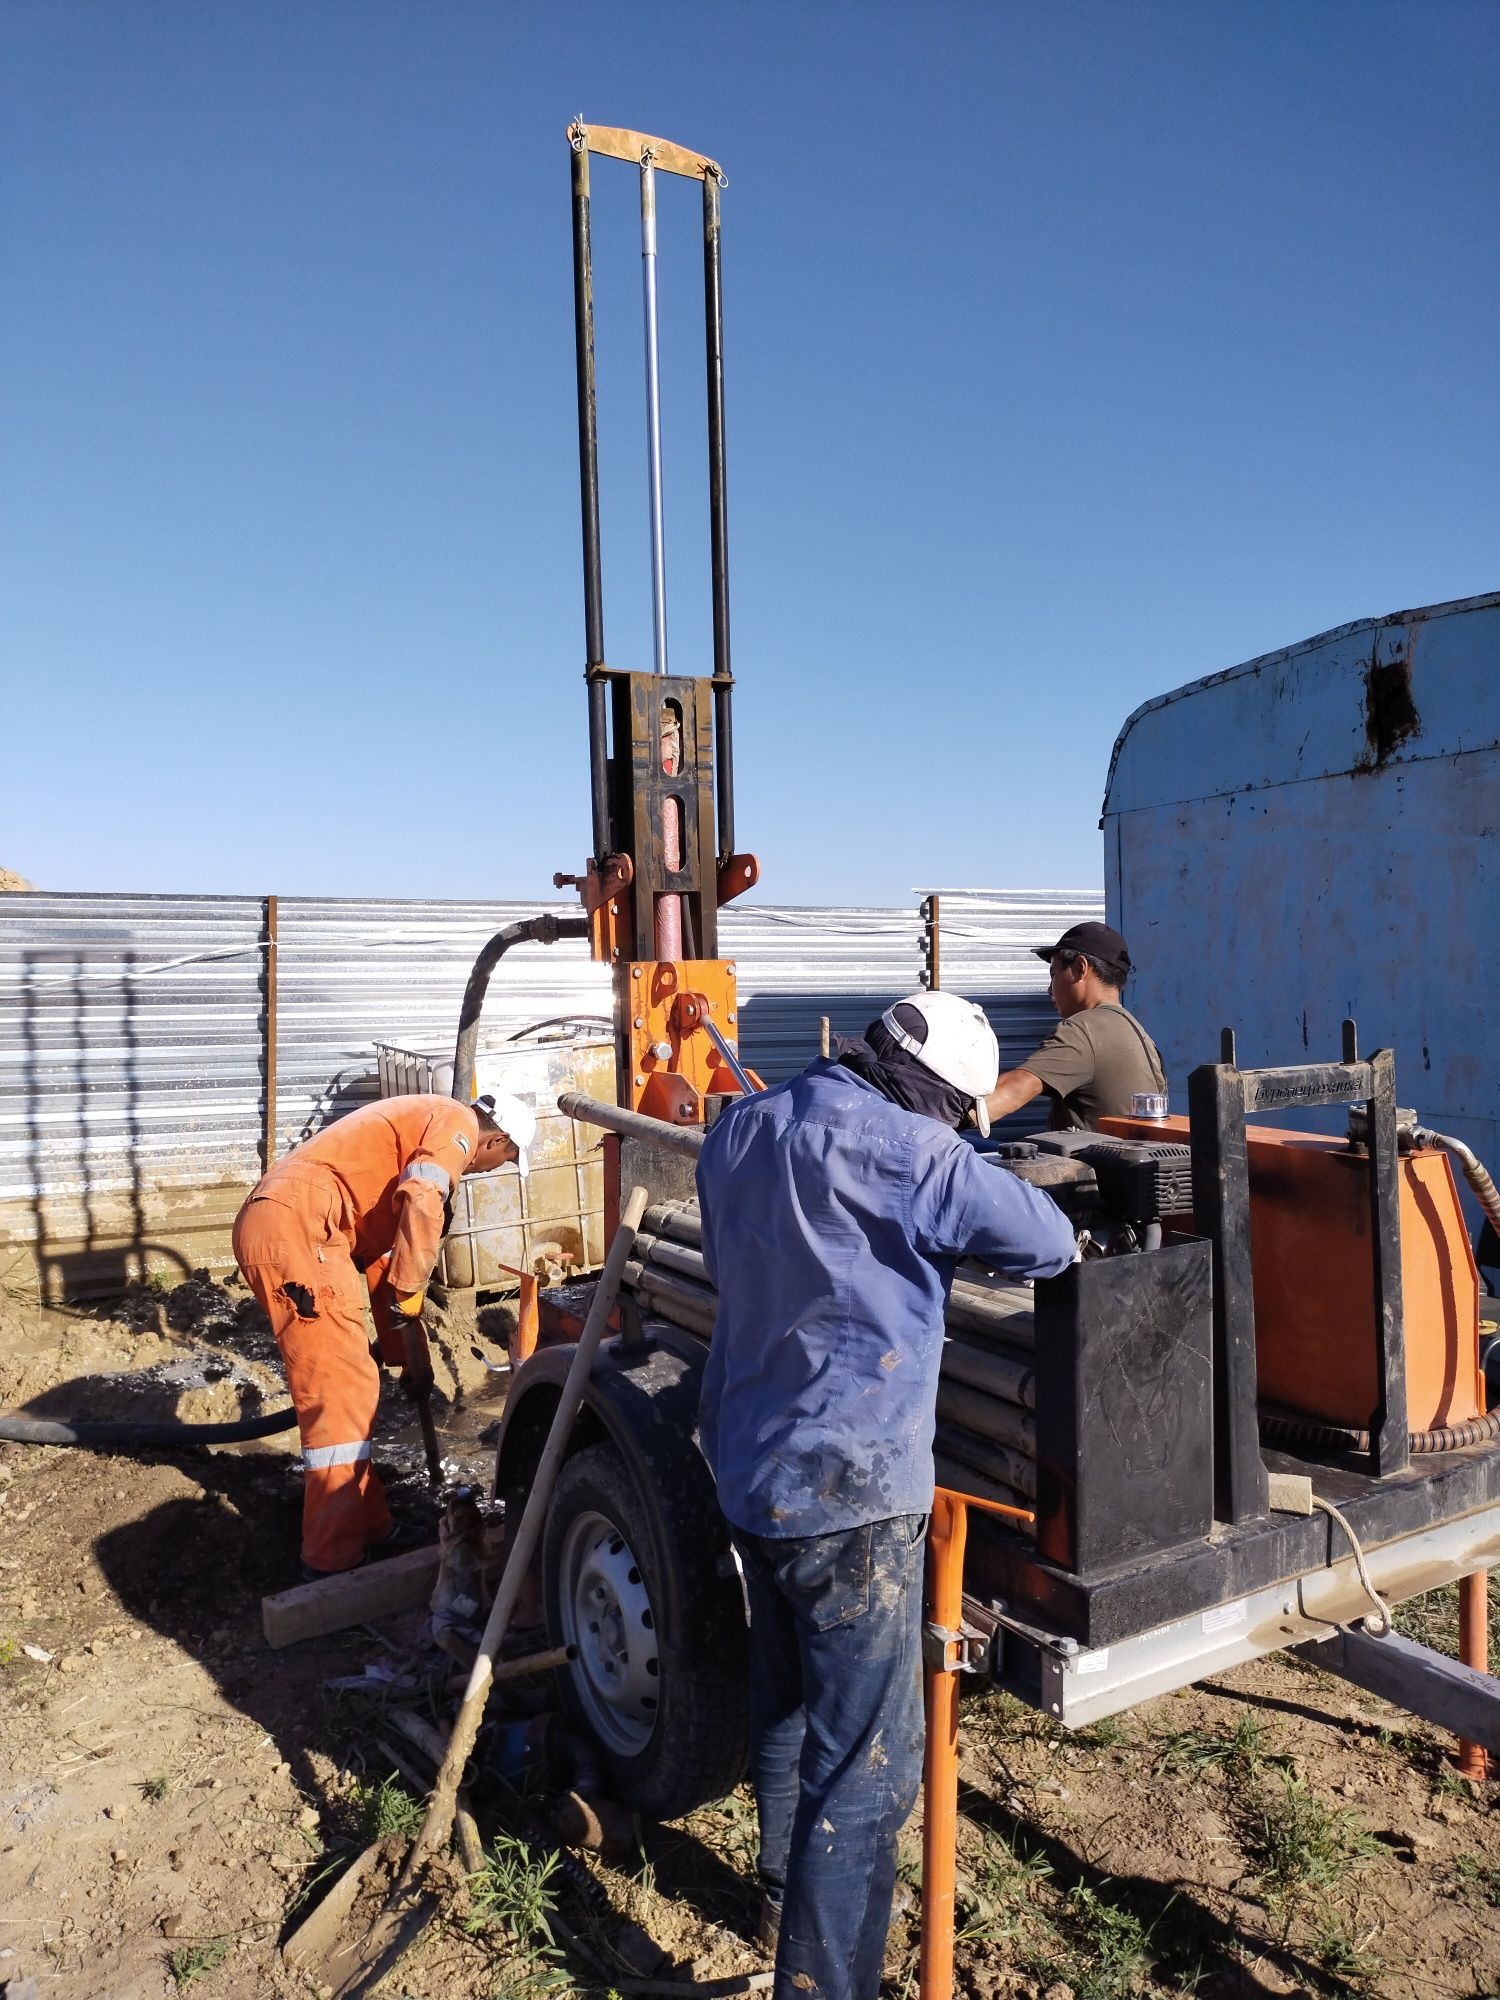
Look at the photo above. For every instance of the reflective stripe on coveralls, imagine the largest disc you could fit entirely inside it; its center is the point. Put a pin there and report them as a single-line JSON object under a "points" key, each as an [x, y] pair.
{"points": [[337, 1454]]}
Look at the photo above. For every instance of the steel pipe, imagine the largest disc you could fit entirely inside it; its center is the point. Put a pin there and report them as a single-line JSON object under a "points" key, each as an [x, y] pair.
{"points": [[971, 1315], [1011, 1381], [981, 1417], [588, 488], [653, 415], [718, 514], [674, 1257], [687, 1139], [1011, 1468], [680, 1221], [972, 1307], [668, 1302], [988, 1417]]}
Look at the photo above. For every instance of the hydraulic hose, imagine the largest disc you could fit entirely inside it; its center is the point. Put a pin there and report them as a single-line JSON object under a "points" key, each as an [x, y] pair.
{"points": [[114, 1436], [1485, 1191], [1286, 1427], [535, 930]]}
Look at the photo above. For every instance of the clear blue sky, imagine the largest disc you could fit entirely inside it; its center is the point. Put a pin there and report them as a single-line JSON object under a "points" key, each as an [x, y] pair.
{"points": [[1074, 351]]}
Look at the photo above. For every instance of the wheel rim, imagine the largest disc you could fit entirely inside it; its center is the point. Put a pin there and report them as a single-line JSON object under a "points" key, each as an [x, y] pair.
{"points": [[606, 1613]]}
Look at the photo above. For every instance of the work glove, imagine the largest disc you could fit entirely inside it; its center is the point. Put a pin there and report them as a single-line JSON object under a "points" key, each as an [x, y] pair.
{"points": [[410, 1304]]}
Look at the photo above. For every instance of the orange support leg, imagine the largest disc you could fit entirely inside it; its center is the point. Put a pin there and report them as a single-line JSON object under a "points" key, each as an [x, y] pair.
{"points": [[1474, 1650], [943, 1655]]}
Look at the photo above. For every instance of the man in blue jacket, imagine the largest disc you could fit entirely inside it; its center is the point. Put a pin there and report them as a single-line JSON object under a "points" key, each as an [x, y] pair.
{"points": [[835, 1210]]}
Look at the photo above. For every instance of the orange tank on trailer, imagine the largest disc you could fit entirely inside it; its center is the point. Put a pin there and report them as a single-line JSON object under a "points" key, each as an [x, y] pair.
{"points": [[1315, 1345]]}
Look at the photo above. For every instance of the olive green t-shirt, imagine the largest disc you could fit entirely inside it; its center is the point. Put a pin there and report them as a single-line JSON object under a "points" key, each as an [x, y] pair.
{"points": [[1092, 1064]]}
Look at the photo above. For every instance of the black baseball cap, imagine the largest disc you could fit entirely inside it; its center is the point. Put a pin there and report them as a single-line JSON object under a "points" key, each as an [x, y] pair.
{"points": [[1093, 941]]}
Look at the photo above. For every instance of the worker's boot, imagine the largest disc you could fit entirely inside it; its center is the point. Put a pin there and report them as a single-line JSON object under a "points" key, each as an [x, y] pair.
{"points": [[768, 1926], [402, 1535]]}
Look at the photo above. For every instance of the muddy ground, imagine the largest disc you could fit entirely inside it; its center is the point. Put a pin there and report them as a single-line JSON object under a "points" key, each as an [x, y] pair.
{"points": [[173, 1795]]}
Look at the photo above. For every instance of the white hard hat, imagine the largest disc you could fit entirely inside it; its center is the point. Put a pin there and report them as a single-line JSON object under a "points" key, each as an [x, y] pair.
{"points": [[959, 1045], [515, 1119]]}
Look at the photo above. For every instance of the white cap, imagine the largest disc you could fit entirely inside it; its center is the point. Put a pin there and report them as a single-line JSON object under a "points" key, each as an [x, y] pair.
{"points": [[959, 1045], [515, 1119]]}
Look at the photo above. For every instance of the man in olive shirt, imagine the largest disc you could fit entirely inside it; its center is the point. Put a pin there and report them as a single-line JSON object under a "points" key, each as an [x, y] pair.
{"points": [[1099, 1057]]}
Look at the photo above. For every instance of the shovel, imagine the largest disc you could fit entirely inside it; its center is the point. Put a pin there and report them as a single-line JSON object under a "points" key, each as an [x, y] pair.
{"points": [[342, 1956]]}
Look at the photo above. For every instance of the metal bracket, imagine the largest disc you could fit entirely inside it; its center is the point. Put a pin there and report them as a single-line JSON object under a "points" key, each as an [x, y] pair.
{"points": [[966, 1651]]}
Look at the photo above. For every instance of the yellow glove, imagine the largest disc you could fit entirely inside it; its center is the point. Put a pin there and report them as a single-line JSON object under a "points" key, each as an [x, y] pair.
{"points": [[410, 1304]]}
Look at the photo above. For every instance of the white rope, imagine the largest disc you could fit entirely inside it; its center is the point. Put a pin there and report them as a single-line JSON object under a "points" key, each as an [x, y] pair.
{"points": [[1382, 1625]]}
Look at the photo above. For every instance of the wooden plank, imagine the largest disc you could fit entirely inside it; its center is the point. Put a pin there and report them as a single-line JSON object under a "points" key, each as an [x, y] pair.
{"points": [[1424, 1683], [351, 1597]]}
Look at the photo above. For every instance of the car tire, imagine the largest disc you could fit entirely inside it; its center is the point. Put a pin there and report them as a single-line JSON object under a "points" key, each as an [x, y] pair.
{"points": [[636, 1578]]}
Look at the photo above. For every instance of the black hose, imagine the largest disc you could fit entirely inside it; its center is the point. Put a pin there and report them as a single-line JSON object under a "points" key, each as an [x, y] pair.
{"points": [[535, 930], [1286, 1427], [109, 1436]]}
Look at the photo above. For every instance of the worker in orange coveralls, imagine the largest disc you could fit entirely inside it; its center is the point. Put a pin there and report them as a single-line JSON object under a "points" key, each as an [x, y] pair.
{"points": [[368, 1195]]}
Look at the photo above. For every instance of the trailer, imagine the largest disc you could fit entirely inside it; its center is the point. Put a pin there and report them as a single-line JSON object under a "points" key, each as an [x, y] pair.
{"points": [[1252, 1418]]}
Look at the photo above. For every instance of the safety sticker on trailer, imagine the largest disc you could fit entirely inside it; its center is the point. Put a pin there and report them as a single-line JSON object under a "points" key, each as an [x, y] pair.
{"points": [[1092, 1663], [1224, 1615]]}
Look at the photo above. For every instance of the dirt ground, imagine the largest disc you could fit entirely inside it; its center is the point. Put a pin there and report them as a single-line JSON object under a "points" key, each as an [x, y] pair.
{"points": [[173, 1795]]}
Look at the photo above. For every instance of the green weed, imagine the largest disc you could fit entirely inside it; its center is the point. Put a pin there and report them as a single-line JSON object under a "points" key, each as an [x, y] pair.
{"points": [[1451, 1785], [1002, 1878], [155, 1789], [1243, 1753], [1343, 1957], [1105, 1734], [10, 1652], [384, 1809], [1113, 1946], [190, 1961], [1478, 1880], [1432, 1620], [1301, 1845], [515, 1889]]}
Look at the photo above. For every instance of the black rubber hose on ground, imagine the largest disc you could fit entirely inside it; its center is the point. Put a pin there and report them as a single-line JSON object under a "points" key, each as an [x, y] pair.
{"points": [[535, 930], [124, 1436]]}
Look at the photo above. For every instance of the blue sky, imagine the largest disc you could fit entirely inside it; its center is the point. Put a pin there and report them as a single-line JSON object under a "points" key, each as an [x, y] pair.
{"points": [[1073, 351]]}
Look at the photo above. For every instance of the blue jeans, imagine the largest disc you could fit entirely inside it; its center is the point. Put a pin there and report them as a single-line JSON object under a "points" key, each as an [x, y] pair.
{"points": [[835, 1741]]}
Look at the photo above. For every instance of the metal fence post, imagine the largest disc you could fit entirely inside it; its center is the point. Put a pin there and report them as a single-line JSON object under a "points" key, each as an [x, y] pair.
{"points": [[268, 1017]]}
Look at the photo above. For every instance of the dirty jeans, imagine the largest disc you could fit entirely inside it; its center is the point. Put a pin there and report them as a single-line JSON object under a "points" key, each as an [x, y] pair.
{"points": [[835, 1741]]}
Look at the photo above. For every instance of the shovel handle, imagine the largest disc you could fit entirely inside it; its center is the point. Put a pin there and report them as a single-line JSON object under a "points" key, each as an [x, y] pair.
{"points": [[439, 1821]]}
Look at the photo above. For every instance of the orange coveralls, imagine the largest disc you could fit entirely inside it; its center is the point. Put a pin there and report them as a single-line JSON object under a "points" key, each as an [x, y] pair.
{"points": [[365, 1196]]}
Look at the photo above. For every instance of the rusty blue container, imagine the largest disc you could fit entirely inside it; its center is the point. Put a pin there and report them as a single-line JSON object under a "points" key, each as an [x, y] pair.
{"points": [[1316, 834]]}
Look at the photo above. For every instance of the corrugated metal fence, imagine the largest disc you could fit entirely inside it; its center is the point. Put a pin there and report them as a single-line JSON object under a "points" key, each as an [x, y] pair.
{"points": [[987, 941], [132, 1035]]}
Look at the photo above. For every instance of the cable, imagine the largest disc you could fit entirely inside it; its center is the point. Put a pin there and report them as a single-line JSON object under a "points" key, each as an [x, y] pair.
{"points": [[1384, 1627]]}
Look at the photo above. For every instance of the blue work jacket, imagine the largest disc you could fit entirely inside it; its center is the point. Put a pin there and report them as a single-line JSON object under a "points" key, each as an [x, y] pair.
{"points": [[833, 1222]]}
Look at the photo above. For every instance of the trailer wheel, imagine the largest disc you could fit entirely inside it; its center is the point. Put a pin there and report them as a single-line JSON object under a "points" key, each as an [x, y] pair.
{"points": [[660, 1680]]}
